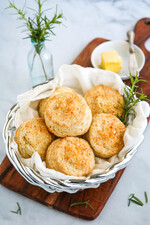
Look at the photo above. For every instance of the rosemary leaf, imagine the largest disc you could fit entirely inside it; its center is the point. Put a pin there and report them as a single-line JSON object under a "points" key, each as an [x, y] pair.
{"points": [[78, 203], [83, 203], [19, 208], [90, 206], [129, 201], [136, 202], [146, 197], [14, 212]]}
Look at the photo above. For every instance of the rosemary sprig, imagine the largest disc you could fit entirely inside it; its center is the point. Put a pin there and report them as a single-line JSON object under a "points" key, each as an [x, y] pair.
{"points": [[131, 97], [146, 197], [18, 210], [83, 203], [40, 27], [133, 198]]}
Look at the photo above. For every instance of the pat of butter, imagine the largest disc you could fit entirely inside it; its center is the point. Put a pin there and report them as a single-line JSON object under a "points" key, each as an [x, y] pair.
{"points": [[110, 60]]}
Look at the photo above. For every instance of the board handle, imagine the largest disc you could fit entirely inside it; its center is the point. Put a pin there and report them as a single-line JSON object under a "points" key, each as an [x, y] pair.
{"points": [[142, 33]]}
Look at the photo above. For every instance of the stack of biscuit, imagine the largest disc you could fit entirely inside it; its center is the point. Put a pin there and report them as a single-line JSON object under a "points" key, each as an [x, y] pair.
{"points": [[106, 131], [71, 130]]}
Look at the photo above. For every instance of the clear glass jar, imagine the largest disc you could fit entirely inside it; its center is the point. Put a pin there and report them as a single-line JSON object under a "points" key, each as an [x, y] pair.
{"points": [[40, 63]]}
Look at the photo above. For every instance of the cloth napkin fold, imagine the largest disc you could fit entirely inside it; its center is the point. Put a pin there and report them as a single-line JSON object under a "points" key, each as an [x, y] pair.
{"points": [[82, 80]]}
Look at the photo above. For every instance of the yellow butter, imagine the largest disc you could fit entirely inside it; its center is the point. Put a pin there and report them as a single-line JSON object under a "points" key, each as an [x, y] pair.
{"points": [[110, 60]]}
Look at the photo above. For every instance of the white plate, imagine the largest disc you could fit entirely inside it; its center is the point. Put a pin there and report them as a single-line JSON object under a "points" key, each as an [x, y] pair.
{"points": [[122, 48]]}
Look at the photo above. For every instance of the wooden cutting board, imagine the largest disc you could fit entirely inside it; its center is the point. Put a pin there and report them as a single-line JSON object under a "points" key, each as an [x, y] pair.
{"points": [[98, 197]]}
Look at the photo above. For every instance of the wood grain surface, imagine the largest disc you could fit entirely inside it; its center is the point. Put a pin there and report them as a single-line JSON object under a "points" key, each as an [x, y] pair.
{"points": [[98, 197]]}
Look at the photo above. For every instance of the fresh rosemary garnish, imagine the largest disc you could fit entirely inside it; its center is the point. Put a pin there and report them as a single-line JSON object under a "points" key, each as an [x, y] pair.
{"points": [[83, 203], [131, 97], [18, 210], [133, 198], [146, 197]]}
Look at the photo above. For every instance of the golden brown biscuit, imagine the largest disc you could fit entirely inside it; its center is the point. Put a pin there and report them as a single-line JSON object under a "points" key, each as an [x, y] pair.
{"points": [[42, 103], [41, 107], [33, 136], [106, 135], [72, 156], [67, 114], [63, 89], [104, 99]]}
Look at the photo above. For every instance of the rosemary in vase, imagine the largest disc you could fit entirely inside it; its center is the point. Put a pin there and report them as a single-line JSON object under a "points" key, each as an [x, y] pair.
{"points": [[39, 28]]}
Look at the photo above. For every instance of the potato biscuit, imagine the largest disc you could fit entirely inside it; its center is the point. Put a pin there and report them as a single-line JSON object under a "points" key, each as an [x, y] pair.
{"points": [[33, 136], [106, 135], [71, 155], [104, 99], [67, 114]]}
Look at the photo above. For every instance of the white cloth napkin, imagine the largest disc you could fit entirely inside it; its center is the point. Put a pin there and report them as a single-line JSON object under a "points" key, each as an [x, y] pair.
{"points": [[82, 80]]}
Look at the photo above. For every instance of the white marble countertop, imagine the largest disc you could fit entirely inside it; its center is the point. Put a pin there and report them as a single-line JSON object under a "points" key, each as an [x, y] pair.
{"points": [[85, 20]]}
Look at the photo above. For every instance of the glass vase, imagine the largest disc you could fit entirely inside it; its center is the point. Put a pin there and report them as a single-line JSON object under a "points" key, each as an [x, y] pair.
{"points": [[40, 63]]}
